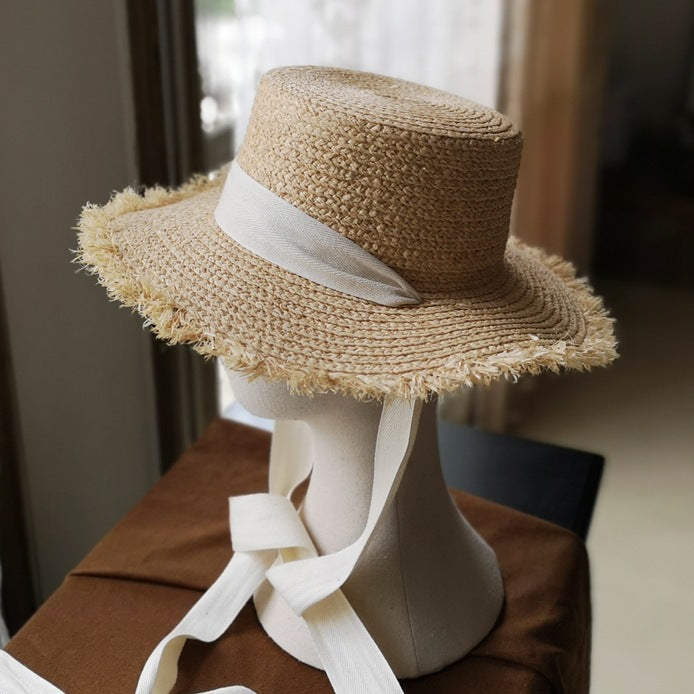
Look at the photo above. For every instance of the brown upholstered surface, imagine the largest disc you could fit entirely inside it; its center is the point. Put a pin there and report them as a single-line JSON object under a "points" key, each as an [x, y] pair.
{"points": [[95, 632]]}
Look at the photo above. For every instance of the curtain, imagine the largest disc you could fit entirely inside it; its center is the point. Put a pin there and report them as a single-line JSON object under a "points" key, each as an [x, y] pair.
{"points": [[449, 44]]}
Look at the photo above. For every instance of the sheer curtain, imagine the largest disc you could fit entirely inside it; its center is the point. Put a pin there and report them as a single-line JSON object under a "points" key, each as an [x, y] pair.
{"points": [[449, 44]]}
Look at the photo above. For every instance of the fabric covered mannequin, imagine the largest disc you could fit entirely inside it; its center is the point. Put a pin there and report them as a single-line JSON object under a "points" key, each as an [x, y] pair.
{"points": [[427, 588]]}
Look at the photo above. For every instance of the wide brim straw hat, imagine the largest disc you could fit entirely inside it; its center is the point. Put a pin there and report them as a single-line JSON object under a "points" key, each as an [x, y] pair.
{"points": [[420, 179]]}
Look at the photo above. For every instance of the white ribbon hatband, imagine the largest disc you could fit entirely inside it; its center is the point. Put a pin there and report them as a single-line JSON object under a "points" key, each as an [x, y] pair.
{"points": [[266, 527], [280, 233]]}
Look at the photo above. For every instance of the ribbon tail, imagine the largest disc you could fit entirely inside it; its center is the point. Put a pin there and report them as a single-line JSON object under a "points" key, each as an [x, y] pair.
{"points": [[207, 620], [16, 678], [352, 660]]}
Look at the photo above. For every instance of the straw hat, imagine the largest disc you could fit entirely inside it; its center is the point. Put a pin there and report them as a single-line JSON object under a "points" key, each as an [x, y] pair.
{"points": [[420, 179]]}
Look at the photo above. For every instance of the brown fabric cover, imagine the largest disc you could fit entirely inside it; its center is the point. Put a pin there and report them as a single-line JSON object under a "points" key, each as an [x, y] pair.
{"points": [[96, 631]]}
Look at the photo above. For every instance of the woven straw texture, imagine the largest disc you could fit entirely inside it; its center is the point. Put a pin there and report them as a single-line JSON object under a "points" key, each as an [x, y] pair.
{"points": [[421, 179]]}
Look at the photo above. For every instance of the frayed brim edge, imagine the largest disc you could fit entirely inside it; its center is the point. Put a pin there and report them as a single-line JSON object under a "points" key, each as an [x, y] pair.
{"points": [[100, 256]]}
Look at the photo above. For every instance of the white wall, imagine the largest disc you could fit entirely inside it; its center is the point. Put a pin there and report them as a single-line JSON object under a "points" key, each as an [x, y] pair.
{"points": [[82, 373]]}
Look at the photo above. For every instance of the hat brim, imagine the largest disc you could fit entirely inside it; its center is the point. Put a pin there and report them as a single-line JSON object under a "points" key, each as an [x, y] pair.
{"points": [[164, 255]]}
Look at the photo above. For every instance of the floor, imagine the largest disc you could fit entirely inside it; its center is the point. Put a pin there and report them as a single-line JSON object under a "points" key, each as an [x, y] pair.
{"points": [[639, 413]]}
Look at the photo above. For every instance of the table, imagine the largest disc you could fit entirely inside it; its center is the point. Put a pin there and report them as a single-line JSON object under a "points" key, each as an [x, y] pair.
{"points": [[95, 632]]}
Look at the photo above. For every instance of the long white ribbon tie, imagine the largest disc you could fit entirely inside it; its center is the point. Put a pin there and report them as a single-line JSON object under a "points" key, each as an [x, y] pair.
{"points": [[304, 583], [270, 541], [16, 678], [281, 233]]}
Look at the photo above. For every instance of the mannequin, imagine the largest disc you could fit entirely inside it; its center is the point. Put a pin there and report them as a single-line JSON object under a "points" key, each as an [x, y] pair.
{"points": [[427, 587]]}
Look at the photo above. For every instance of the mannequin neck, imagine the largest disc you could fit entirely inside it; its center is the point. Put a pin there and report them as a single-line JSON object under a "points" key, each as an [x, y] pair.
{"points": [[337, 501]]}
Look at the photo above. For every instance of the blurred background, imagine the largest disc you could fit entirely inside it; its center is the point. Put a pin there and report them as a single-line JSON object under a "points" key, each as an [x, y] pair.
{"points": [[97, 96]]}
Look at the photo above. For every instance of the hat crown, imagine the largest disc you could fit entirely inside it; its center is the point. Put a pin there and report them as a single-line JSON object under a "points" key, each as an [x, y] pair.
{"points": [[420, 178]]}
